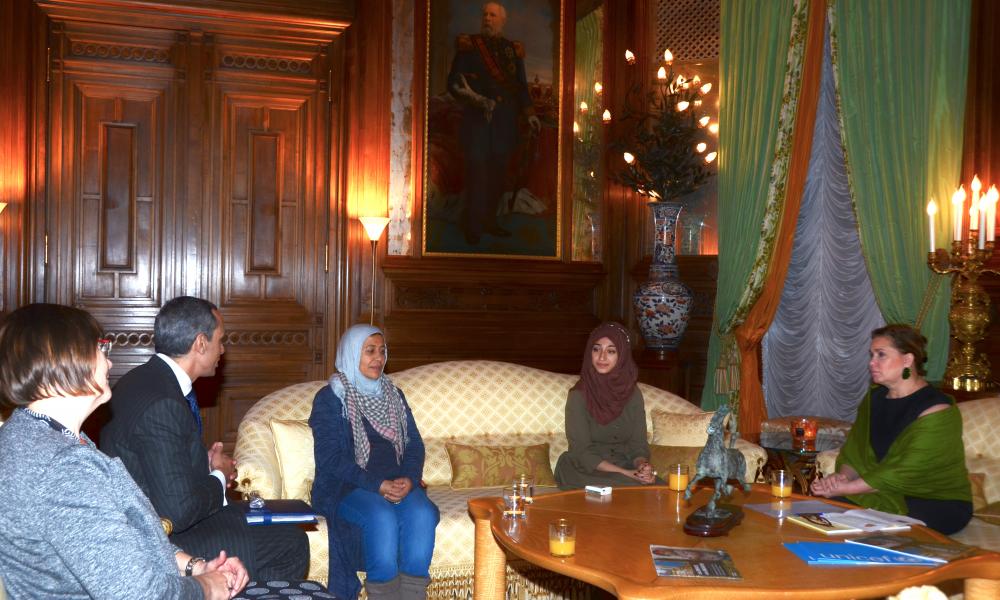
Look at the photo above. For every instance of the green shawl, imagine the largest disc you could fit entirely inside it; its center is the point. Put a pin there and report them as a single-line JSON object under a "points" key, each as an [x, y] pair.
{"points": [[927, 460]]}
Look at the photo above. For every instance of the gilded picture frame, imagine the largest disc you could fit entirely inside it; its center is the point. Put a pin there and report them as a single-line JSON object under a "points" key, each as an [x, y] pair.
{"points": [[491, 180]]}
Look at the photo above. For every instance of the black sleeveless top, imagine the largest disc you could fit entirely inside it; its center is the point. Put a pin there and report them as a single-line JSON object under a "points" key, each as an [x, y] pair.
{"points": [[890, 416]]}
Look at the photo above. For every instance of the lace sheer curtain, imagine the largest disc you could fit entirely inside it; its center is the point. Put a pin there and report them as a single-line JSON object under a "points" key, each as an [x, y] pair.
{"points": [[815, 354]]}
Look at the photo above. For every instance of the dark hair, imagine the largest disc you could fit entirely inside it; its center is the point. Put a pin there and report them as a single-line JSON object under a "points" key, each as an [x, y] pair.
{"points": [[180, 321], [46, 350], [907, 340]]}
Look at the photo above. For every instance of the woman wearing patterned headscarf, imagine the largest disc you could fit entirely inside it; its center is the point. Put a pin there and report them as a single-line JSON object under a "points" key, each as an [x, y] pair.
{"points": [[369, 463], [606, 417]]}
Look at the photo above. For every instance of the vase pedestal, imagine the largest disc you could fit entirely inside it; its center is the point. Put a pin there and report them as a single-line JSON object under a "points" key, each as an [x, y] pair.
{"points": [[663, 303], [665, 370]]}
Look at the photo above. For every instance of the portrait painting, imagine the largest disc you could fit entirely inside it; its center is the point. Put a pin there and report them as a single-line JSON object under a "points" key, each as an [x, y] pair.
{"points": [[491, 181]]}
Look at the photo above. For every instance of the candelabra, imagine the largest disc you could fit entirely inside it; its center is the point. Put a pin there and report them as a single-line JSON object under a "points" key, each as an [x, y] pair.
{"points": [[970, 310]]}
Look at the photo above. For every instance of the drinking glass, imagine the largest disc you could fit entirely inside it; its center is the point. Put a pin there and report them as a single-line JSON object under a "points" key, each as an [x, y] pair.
{"points": [[562, 538], [677, 477], [781, 483], [513, 503], [526, 486]]}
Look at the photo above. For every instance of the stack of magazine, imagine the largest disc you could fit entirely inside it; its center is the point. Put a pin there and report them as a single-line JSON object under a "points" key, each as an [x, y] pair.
{"points": [[671, 561], [859, 520], [879, 550]]}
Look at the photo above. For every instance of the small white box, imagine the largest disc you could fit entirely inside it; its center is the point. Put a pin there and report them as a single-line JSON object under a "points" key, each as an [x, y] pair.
{"points": [[598, 490]]}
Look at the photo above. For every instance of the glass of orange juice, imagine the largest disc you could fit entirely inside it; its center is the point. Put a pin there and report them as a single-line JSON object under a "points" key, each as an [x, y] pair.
{"points": [[677, 477], [781, 483], [562, 538]]}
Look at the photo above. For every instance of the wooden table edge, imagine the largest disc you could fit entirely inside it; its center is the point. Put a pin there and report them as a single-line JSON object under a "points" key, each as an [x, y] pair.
{"points": [[489, 579]]}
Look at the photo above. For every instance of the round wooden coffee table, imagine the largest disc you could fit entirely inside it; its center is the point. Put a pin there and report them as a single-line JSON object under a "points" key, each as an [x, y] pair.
{"points": [[613, 538]]}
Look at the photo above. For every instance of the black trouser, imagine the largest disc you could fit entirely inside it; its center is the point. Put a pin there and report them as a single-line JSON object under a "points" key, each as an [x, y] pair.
{"points": [[269, 552]]}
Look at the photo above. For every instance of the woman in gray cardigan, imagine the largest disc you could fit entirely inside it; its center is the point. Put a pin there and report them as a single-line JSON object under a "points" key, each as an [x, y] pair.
{"points": [[606, 417], [74, 524]]}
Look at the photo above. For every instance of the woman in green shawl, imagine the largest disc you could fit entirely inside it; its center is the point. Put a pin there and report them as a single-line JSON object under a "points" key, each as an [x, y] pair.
{"points": [[904, 454]]}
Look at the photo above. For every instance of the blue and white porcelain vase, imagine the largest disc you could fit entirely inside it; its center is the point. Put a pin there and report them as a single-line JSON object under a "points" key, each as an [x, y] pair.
{"points": [[663, 304]]}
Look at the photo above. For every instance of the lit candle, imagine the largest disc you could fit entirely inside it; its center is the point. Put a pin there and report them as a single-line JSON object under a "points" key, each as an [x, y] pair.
{"points": [[576, 127], [705, 88], [704, 121], [668, 56], [682, 105], [976, 185], [629, 57], [661, 73], [710, 157], [713, 128], [701, 147], [606, 116], [629, 157], [931, 214], [991, 217], [583, 108], [598, 88], [984, 206], [957, 202]]}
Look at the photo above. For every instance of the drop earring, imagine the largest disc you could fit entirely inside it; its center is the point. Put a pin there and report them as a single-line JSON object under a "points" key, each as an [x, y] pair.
{"points": [[906, 372]]}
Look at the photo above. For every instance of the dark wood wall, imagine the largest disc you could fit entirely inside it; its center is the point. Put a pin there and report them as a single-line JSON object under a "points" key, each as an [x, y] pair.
{"points": [[192, 150], [223, 148]]}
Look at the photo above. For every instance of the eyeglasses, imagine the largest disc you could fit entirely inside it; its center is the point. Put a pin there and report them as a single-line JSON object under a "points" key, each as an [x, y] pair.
{"points": [[105, 347]]}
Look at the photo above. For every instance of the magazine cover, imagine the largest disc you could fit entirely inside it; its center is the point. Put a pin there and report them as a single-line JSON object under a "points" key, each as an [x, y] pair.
{"points": [[939, 552], [671, 561], [840, 553]]}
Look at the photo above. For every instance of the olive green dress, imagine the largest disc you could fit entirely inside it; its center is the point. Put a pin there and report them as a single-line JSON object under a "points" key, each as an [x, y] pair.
{"points": [[619, 442]]}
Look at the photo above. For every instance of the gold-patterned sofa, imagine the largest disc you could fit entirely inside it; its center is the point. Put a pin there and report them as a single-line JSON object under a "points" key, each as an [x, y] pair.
{"points": [[467, 402], [981, 437]]}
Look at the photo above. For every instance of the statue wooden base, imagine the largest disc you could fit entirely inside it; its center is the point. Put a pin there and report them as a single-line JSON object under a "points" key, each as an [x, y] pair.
{"points": [[699, 523]]}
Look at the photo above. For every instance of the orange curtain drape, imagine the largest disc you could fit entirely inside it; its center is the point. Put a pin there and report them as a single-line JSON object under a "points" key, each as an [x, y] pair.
{"points": [[751, 332]]}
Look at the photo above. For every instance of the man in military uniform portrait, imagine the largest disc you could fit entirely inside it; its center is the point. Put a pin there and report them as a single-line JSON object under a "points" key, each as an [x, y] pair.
{"points": [[487, 78]]}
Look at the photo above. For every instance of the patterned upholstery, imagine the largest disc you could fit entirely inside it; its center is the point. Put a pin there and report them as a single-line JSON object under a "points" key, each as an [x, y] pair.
{"points": [[981, 436], [467, 402]]}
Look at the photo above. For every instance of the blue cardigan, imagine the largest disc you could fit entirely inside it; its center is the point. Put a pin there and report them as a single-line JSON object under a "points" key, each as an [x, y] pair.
{"points": [[337, 475]]}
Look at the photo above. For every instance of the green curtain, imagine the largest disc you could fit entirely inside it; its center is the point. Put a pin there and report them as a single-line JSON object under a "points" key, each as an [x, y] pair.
{"points": [[901, 70], [753, 62]]}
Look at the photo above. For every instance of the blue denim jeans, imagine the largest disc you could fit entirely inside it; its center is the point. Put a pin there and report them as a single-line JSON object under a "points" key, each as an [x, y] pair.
{"points": [[397, 538]]}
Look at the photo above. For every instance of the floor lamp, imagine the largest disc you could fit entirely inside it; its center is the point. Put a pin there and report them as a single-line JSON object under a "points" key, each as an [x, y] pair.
{"points": [[374, 226]]}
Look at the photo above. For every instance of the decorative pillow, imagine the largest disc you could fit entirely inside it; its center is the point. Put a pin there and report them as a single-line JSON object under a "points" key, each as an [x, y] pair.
{"points": [[664, 456], [293, 443], [977, 482], [490, 466], [989, 513], [676, 429]]}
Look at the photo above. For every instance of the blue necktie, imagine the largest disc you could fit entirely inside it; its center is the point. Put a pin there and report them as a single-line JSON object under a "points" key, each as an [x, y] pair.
{"points": [[193, 405]]}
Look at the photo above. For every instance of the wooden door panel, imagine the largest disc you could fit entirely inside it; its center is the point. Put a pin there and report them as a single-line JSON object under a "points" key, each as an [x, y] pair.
{"points": [[115, 193], [265, 197]]}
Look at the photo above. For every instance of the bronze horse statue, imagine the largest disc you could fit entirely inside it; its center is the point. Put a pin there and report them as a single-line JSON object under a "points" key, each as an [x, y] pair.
{"points": [[718, 461]]}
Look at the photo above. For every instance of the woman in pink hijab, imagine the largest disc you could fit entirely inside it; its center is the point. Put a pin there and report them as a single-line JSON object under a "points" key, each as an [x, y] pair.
{"points": [[606, 417]]}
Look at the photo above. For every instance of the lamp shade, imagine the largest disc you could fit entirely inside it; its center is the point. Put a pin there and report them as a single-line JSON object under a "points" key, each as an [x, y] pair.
{"points": [[374, 226]]}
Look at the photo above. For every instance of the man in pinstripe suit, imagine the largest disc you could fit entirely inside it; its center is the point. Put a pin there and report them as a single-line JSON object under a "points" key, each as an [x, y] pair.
{"points": [[156, 431]]}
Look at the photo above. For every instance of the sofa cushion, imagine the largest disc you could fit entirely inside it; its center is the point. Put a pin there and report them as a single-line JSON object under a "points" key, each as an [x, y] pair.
{"points": [[989, 513], [976, 481], [678, 429], [293, 443], [991, 481], [489, 466], [663, 456]]}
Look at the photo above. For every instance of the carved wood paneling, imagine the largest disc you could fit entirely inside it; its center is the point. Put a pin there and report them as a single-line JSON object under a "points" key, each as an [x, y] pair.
{"points": [[109, 195], [194, 157]]}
